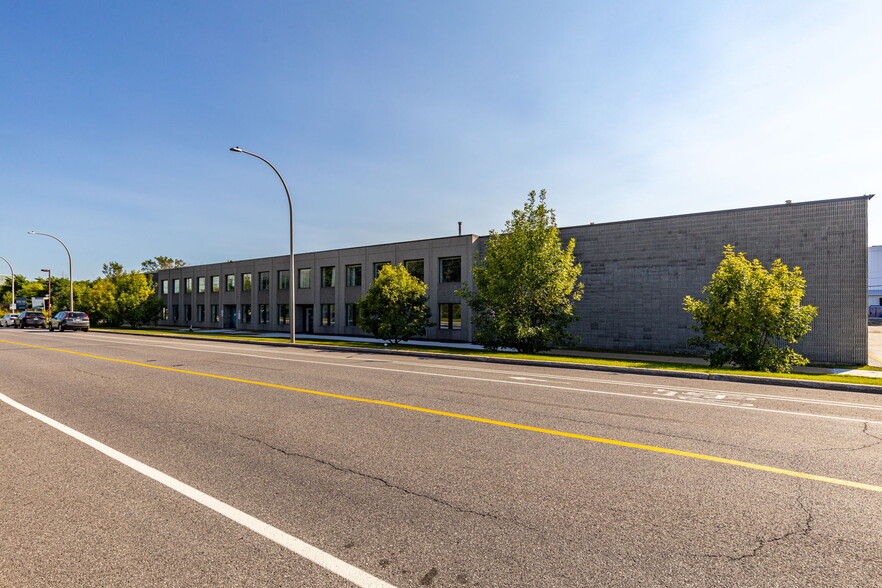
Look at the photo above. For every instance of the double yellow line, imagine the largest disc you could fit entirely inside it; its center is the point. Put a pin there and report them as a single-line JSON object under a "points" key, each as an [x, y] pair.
{"points": [[465, 417]]}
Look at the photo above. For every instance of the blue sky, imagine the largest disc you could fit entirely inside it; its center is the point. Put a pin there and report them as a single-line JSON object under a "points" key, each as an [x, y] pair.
{"points": [[391, 121]]}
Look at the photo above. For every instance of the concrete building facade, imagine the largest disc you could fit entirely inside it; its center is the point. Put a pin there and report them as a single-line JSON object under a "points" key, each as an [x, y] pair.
{"points": [[636, 274]]}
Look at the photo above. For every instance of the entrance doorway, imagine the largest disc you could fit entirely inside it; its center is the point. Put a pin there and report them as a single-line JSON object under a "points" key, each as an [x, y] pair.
{"points": [[306, 318], [230, 316]]}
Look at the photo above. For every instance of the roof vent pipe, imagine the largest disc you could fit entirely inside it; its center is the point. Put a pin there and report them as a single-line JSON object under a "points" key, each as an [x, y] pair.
{"points": [[460, 228]]}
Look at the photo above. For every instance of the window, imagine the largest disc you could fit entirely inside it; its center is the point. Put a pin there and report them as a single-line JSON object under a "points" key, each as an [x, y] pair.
{"points": [[188, 285], [176, 286], [284, 279], [304, 278], [263, 313], [451, 268], [165, 286], [377, 267], [200, 312], [284, 316], [416, 268], [215, 283], [451, 315], [245, 315], [263, 280], [353, 275], [351, 315], [165, 312], [329, 277], [231, 282], [200, 284], [175, 314], [246, 282], [188, 313], [329, 316], [215, 316]]}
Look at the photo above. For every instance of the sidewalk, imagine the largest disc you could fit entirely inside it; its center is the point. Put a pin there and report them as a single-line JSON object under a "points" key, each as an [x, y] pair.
{"points": [[875, 341]]}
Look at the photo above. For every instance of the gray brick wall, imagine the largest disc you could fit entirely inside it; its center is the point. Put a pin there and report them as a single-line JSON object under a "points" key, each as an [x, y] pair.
{"points": [[636, 273]]}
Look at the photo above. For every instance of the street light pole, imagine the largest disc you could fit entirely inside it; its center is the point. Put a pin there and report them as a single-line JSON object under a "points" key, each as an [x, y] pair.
{"points": [[12, 271], [292, 317], [49, 295], [69, 261]]}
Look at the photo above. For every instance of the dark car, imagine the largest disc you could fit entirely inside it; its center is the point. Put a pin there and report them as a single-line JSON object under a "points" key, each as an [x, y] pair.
{"points": [[30, 318], [67, 320]]}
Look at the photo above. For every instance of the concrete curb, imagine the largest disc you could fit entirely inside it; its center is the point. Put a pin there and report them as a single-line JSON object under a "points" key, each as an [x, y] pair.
{"points": [[789, 382]]}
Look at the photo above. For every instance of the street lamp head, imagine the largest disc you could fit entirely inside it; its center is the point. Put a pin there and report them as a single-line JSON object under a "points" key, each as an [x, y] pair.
{"points": [[236, 149], [31, 232], [42, 270]]}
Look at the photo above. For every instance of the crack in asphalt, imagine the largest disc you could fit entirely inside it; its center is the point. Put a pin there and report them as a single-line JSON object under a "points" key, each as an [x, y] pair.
{"points": [[806, 528], [389, 484], [865, 431]]}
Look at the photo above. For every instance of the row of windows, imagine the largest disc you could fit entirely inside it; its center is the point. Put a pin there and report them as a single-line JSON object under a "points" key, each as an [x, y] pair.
{"points": [[450, 270], [450, 314]]}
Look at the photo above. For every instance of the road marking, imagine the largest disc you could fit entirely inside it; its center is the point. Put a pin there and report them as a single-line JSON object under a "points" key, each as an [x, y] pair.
{"points": [[199, 346], [652, 448], [355, 575], [641, 395]]}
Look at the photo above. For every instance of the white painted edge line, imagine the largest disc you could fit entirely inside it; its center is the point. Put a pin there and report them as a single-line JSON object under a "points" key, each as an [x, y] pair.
{"points": [[337, 566]]}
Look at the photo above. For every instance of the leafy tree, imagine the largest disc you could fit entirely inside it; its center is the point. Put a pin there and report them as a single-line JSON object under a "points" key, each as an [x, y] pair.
{"points": [[151, 266], [750, 314], [394, 308], [525, 284], [122, 297]]}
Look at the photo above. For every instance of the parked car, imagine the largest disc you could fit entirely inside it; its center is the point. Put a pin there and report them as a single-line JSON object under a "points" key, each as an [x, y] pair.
{"points": [[8, 320], [30, 318], [67, 320]]}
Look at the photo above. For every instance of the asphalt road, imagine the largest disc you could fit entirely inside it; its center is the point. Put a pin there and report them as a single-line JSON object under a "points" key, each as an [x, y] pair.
{"points": [[130, 461]]}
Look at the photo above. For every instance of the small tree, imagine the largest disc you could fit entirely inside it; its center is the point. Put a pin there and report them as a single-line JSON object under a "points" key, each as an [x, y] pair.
{"points": [[749, 314], [526, 284], [394, 308], [151, 266]]}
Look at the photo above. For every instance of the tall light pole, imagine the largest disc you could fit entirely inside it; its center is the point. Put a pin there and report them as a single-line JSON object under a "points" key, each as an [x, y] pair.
{"points": [[292, 317], [12, 271], [49, 295], [69, 261]]}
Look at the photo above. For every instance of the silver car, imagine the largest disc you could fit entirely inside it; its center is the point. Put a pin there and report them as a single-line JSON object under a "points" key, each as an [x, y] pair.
{"points": [[8, 320], [69, 321]]}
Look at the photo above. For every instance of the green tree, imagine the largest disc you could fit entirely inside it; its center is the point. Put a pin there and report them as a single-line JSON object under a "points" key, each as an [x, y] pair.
{"points": [[526, 283], [122, 297], [750, 314], [394, 308], [151, 266]]}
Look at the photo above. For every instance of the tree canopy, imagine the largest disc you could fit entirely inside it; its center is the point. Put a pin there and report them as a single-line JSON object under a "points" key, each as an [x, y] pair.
{"points": [[160, 262], [750, 315], [394, 308], [525, 284]]}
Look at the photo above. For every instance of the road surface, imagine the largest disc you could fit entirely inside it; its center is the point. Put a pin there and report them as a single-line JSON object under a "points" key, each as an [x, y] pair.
{"points": [[152, 462]]}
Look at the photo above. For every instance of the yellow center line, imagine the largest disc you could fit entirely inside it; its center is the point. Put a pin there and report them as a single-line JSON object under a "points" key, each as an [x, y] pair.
{"points": [[732, 462]]}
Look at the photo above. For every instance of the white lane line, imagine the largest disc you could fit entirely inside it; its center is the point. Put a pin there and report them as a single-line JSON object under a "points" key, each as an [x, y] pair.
{"points": [[337, 566], [645, 395], [505, 373]]}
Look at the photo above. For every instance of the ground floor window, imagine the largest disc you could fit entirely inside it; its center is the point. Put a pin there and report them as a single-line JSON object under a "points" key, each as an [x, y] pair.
{"points": [[246, 313], [450, 314], [284, 315], [175, 313], [263, 313], [329, 315], [351, 315], [215, 315], [188, 313], [165, 312], [200, 313]]}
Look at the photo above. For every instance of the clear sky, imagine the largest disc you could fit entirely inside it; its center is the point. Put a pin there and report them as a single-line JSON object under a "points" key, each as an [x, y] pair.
{"points": [[391, 121]]}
